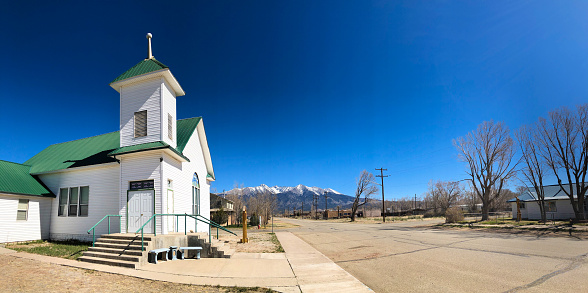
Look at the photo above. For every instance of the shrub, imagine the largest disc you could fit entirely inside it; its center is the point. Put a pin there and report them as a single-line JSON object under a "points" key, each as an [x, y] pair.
{"points": [[453, 215], [429, 214], [254, 220], [220, 216]]}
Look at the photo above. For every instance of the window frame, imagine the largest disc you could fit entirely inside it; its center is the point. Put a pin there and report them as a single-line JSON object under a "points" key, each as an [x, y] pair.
{"points": [[135, 129], [69, 209], [170, 126], [551, 207], [64, 212], [195, 194], [18, 209]]}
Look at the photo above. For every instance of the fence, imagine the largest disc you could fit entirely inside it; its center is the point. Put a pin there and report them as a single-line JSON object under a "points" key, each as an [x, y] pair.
{"points": [[491, 216]]}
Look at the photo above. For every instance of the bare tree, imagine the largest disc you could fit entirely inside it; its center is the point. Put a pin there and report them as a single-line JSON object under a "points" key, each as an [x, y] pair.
{"points": [[501, 202], [533, 169], [471, 200], [489, 152], [564, 139], [366, 186], [442, 195], [236, 196], [268, 202]]}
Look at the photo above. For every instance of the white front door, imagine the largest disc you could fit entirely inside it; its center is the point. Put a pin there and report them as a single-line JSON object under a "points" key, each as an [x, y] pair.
{"points": [[140, 209], [171, 221]]}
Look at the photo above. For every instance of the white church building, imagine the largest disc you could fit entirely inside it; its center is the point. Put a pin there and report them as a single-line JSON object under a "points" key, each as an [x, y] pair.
{"points": [[154, 164]]}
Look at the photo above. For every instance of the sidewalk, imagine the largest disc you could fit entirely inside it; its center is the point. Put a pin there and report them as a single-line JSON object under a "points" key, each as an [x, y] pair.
{"points": [[301, 269]]}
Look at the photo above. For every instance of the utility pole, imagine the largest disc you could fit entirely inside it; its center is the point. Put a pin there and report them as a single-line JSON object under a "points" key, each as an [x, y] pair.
{"points": [[302, 211], [415, 201], [383, 201], [315, 202], [326, 212]]}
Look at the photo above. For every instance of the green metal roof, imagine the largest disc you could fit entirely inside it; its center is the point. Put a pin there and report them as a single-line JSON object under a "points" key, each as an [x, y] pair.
{"points": [[146, 147], [95, 150], [185, 129], [16, 179], [82, 152], [143, 67]]}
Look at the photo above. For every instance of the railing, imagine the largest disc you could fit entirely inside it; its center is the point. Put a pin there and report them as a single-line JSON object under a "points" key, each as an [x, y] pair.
{"points": [[195, 217], [93, 229]]}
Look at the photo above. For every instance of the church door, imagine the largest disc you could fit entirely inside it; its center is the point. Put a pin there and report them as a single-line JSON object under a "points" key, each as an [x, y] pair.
{"points": [[140, 204]]}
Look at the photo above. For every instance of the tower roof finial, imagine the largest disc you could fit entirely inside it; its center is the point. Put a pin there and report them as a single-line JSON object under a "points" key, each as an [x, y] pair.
{"points": [[149, 54]]}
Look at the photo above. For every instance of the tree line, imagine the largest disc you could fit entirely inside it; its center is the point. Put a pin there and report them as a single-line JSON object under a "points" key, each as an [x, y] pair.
{"points": [[553, 146], [260, 204]]}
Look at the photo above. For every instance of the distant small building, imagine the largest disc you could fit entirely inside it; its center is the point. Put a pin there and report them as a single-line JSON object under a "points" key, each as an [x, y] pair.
{"points": [[557, 204], [216, 202]]}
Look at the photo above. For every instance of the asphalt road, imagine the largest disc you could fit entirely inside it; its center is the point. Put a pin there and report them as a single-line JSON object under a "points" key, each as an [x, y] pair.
{"points": [[402, 257]]}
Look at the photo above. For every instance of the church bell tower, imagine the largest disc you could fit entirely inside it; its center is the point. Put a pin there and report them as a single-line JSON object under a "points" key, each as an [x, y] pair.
{"points": [[148, 94]]}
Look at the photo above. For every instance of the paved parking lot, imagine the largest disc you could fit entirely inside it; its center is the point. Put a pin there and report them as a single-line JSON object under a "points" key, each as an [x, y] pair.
{"points": [[401, 257]]}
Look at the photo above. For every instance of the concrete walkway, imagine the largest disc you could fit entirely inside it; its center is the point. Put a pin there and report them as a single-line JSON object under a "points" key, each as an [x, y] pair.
{"points": [[301, 269], [314, 271]]}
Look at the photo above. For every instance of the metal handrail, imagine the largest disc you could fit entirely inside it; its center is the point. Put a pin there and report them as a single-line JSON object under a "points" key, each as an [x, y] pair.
{"points": [[204, 220], [93, 229], [216, 225]]}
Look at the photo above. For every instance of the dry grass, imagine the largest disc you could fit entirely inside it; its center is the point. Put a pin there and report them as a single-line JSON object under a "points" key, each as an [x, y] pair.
{"points": [[63, 249]]}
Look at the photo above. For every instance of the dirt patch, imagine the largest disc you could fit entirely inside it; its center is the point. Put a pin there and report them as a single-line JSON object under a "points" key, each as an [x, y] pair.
{"points": [[259, 242], [25, 275]]}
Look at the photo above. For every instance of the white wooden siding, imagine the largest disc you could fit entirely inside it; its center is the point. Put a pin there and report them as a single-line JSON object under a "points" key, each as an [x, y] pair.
{"points": [[181, 174], [532, 211], [144, 95], [169, 107], [103, 182], [136, 167], [33, 228]]}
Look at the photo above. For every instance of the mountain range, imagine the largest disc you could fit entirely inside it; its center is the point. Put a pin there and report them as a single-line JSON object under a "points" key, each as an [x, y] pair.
{"points": [[292, 198]]}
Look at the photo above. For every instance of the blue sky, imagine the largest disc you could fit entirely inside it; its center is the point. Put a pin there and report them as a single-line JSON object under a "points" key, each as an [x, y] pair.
{"points": [[298, 92]]}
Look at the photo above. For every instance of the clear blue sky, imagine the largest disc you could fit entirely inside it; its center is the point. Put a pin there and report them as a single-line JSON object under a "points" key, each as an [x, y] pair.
{"points": [[298, 92]]}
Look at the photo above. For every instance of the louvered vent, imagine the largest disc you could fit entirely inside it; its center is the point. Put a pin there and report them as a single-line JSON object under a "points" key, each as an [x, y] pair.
{"points": [[141, 123], [170, 127]]}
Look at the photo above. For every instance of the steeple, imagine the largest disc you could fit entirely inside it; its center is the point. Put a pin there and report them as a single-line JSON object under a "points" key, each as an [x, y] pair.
{"points": [[148, 94], [149, 53]]}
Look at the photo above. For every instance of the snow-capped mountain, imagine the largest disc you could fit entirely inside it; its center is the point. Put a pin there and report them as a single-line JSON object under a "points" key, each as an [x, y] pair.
{"points": [[298, 189], [294, 197]]}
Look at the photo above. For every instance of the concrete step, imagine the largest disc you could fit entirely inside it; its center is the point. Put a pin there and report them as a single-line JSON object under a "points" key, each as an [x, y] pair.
{"points": [[116, 251], [228, 253], [110, 262], [114, 256], [121, 246]]}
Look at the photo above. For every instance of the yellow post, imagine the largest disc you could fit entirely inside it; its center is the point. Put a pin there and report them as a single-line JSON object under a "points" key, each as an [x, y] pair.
{"points": [[244, 222]]}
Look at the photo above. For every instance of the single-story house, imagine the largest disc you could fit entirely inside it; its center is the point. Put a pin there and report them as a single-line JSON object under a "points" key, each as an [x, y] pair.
{"points": [[557, 204]]}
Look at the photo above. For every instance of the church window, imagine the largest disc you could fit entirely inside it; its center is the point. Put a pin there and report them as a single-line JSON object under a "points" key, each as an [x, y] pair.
{"points": [[141, 123], [23, 209], [195, 195], [74, 201]]}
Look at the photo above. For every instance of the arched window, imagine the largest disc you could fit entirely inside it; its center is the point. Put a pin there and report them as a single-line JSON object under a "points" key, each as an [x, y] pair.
{"points": [[195, 195]]}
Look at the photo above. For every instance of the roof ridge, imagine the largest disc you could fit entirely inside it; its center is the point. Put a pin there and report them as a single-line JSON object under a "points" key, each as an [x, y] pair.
{"points": [[15, 163], [190, 118], [84, 138], [139, 66]]}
